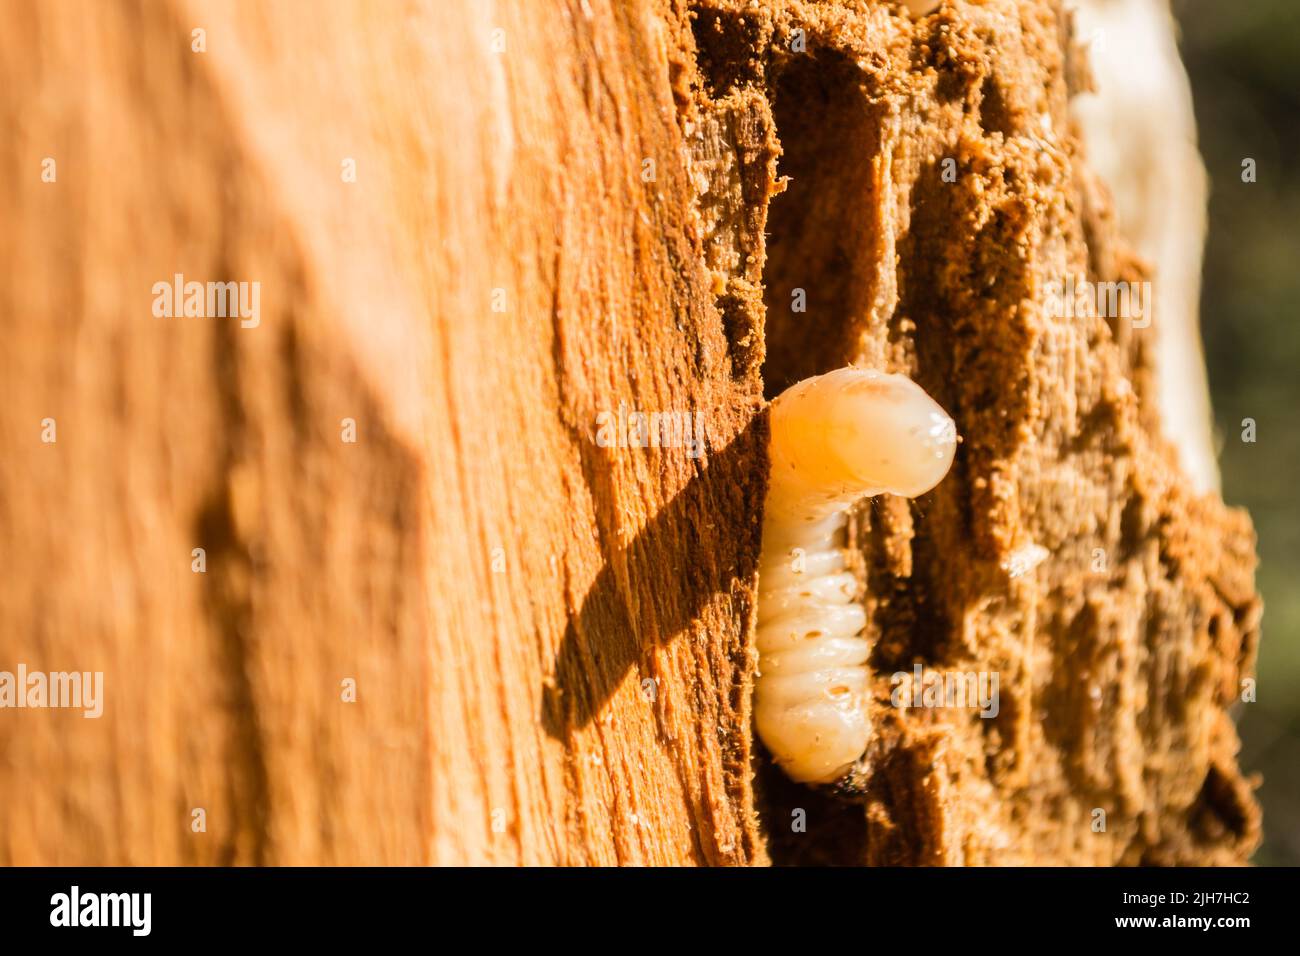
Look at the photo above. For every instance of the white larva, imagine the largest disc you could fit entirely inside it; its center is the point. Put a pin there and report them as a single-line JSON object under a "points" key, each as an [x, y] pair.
{"points": [[836, 438]]}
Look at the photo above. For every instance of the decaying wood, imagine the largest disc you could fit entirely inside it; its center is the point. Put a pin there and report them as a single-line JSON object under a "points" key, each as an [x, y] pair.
{"points": [[561, 209], [1139, 130]]}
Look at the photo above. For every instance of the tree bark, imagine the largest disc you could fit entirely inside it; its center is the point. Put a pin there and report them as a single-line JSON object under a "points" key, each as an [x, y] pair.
{"points": [[564, 211]]}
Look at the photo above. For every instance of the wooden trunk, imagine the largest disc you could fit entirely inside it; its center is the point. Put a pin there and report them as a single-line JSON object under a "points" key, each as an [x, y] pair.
{"points": [[481, 233]]}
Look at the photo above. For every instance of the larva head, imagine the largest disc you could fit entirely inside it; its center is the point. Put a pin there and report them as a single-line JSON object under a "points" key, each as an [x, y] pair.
{"points": [[861, 431]]}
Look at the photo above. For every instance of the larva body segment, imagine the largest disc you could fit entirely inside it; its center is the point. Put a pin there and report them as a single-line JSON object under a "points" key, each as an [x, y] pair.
{"points": [[836, 438]]}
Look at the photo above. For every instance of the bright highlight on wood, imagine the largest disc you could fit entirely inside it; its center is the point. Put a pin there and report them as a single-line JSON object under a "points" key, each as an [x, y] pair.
{"points": [[836, 438], [921, 8]]}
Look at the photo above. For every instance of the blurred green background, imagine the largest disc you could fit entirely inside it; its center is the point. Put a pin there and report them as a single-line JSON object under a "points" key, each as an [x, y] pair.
{"points": [[1243, 59]]}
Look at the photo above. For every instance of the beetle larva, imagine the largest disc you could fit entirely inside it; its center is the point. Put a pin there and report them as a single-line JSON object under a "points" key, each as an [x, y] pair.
{"points": [[836, 438]]}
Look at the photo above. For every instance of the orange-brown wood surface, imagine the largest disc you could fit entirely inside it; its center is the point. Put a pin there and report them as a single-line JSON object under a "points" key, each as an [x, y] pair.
{"points": [[477, 228]]}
